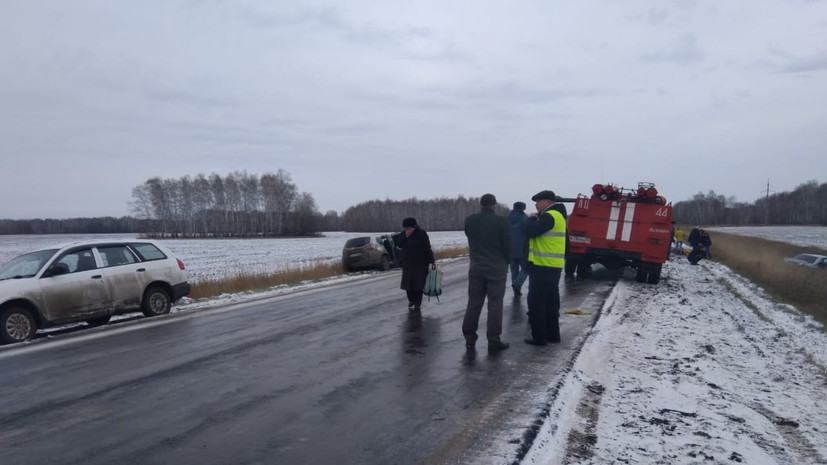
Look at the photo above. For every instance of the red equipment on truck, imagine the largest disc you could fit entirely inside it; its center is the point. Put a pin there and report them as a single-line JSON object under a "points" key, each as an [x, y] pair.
{"points": [[618, 227]]}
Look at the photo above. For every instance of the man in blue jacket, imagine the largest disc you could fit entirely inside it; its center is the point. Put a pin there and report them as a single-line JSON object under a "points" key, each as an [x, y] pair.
{"points": [[517, 218]]}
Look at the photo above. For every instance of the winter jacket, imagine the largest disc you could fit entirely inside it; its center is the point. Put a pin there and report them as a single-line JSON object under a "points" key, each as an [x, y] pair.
{"points": [[417, 248], [695, 237], [417, 256], [489, 241], [517, 218]]}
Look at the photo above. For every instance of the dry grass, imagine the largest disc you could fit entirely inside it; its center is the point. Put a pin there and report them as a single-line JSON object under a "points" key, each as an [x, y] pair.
{"points": [[762, 262], [244, 282]]}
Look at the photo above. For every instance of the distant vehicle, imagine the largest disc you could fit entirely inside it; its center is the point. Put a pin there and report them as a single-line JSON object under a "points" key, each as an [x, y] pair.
{"points": [[809, 260], [371, 252], [87, 281]]}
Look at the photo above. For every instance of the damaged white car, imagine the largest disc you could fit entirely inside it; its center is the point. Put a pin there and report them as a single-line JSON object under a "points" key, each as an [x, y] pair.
{"points": [[87, 281]]}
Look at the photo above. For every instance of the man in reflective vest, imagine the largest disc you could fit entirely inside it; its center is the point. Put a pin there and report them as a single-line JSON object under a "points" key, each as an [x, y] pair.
{"points": [[546, 231]]}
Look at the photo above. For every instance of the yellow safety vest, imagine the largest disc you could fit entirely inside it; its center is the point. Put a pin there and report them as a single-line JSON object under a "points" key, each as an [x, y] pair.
{"points": [[549, 250]]}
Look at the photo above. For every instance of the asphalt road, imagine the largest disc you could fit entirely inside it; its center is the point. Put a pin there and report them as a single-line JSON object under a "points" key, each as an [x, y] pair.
{"points": [[338, 375]]}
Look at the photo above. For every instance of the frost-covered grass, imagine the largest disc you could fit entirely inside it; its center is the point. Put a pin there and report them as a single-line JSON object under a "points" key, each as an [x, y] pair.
{"points": [[762, 262]]}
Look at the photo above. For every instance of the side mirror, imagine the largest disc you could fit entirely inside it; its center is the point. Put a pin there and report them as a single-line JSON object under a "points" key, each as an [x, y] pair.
{"points": [[56, 270]]}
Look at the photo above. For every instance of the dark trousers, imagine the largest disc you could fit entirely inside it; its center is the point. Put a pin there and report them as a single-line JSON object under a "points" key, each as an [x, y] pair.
{"points": [[480, 286], [414, 297], [544, 304], [413, 280]]}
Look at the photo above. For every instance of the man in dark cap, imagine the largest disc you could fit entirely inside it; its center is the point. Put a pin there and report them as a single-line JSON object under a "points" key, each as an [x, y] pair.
{"points": [[489, 242], [546, 231], [517, 218]]}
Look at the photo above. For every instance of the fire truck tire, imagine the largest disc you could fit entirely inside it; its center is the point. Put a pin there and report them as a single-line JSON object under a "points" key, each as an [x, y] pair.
{"points": [[640, 276], [654, 275]]}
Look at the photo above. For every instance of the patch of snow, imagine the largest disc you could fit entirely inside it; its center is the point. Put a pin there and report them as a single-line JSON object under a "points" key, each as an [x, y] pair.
{"points": [[702, 368]]}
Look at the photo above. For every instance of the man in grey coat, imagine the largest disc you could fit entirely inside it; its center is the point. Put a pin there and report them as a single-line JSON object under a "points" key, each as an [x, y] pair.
{"points": [[489, 242]]}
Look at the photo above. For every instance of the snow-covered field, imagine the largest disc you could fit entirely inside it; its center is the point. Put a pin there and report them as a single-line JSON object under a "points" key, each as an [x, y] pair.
{"points": [[215, 258], [702, 368], [806, 236]]}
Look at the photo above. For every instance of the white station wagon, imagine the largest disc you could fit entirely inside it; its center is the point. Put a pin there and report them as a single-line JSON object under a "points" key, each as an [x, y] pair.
{"points": [[87, 281]]}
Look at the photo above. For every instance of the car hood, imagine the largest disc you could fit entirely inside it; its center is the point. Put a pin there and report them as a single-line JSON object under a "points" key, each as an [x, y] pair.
{"points": [[16, 287]]}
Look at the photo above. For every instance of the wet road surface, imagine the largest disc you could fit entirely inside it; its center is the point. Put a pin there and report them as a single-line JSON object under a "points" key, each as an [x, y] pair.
{"points": [[343, 374]]}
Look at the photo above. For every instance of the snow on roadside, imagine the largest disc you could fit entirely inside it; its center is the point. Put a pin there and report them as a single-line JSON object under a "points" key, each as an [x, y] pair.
{"points": [[701, 368]]}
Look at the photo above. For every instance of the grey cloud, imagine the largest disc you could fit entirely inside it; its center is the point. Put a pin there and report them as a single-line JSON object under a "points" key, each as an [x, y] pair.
{"points": [[684, 51], [657, 16], [414, 42], [801, 64], [185, 97], [515, 92]]}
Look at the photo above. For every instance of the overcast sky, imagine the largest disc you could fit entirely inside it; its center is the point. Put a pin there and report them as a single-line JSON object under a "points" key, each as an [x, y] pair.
{"points": [[360, 100]]}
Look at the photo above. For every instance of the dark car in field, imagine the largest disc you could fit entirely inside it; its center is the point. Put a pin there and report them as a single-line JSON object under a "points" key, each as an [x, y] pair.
{"points": [[371, 252], [87, 281], [809, 260]]}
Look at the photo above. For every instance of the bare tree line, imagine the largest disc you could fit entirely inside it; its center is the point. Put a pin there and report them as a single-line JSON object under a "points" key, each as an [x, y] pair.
{"points": [[805, 205], [244, 205], [236, 205], [441, 214]]}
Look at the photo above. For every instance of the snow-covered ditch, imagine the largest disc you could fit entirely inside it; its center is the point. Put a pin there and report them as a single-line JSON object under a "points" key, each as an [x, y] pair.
{"points": [[702, 368]]}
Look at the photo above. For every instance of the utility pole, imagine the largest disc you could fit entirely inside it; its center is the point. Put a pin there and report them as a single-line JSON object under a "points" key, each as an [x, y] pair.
{"points": [[767, 205]]}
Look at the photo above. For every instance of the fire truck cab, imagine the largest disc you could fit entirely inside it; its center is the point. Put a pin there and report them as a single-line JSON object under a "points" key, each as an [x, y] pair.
{"points": [[618, 227]]}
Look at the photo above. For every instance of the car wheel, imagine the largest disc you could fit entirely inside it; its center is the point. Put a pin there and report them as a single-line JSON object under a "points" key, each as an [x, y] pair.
{"points": [[384, 263], [156, 302], [100, 321], [16, 325]]}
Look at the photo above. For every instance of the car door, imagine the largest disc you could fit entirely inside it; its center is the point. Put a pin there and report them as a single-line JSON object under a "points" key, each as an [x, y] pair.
{"points": [[123, 275], [78, 294]]}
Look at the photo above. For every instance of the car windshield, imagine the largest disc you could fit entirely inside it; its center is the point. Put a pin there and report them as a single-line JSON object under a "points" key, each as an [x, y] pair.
{"points": [[806, 258], [27, 265]]}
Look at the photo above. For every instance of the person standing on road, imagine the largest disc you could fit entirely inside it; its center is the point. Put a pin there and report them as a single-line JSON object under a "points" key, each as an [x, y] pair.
{"points": [[517, 218], [418, 255], [489, 243], [546, 232]]}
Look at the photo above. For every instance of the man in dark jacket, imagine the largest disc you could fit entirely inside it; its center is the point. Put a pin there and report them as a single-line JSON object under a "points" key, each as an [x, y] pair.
{"points": [[546, 233], [489, 242], [517, 218], [416, 244]]}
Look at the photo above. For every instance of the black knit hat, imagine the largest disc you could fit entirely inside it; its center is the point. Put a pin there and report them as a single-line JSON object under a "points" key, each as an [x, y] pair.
{"points": [[488, 200], [519, 206], [409, 223]]}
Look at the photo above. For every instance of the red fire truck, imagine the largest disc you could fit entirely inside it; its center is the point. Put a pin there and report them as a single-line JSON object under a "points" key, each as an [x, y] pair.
{"points": [[619, 227]]}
